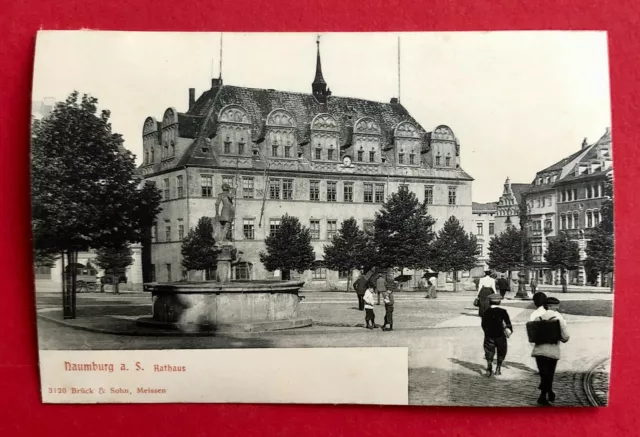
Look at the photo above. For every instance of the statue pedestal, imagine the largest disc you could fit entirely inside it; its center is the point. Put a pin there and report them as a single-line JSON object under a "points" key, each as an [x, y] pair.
{"points": [[223, 270]]}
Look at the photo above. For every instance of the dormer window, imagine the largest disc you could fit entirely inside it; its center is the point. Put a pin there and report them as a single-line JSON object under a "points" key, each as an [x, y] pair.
{"points": [[241, 146], [400, 158], [447, 161], [227, 146], [205, 150], [360, 155], [546, 180], [330, 154], [438, 160], [412, 158], [287, 151]]}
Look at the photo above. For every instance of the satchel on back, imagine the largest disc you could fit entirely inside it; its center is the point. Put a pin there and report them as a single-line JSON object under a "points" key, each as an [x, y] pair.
{"points": [[544, 331]]}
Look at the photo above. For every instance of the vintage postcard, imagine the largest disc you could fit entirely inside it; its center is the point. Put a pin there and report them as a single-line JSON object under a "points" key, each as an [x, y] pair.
{"points": [[370, 218]]}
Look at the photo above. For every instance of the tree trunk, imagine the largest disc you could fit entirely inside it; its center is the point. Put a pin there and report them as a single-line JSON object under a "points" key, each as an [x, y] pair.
{"points": [[455, 280], [563, 280], [349, 279], [69, 309]]}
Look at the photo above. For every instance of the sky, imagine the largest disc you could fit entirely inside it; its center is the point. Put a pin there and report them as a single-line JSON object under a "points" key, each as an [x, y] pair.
{"points": [[517, 101]]}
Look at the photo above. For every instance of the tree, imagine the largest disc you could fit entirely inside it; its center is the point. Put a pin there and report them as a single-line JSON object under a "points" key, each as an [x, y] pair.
{"points": [[600, 248], [402, 233], [288, 248], [563, 254], [347, 250], [114, 260], [509, 251], [524, 217], [199, 251], [83, 187], [454, 249]]}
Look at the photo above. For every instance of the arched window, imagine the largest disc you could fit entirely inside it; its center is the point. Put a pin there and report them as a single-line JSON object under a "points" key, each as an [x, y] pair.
{"points": [[281, 137], [367, 137], [324, 135]]}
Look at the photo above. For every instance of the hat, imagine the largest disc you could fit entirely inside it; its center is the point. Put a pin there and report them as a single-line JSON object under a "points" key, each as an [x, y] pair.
{"points": [[487, 272], [551, 301], [495, 298], [225, 187]]}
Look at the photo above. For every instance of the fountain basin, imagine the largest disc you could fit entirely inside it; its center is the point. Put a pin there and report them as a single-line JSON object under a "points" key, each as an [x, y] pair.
{"points": [[236, 306]]}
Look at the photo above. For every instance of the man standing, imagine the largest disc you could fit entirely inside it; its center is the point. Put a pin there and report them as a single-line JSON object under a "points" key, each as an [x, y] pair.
{"points": [[502, 284], [360, 285], [533, 284], [381, 284]]}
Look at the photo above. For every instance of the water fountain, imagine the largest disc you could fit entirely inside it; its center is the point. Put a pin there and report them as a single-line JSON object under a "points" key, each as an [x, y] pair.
{"points": [[225, 305]]}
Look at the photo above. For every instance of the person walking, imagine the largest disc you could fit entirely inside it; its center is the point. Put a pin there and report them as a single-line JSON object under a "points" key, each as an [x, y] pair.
{"points": [[539, 300], [369, 302], [533, 284], [360, 285], [432, 291], [381, 285], [547, 351], [502, 284], [388, 307], [497, 327], [487, 287]]}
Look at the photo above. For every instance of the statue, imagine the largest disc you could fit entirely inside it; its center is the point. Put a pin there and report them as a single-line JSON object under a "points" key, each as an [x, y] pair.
{"points": [[224, 218]]}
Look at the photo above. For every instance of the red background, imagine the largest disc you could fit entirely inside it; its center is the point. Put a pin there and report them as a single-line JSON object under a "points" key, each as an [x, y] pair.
{"points": [[19, 384]]}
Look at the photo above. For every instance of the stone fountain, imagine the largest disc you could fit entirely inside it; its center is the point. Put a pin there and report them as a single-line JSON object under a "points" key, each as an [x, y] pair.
{"points": [[225, 305]]}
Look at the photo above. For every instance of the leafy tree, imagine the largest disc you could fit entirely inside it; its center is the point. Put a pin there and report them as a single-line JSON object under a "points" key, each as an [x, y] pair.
{"points": [[509, 251], [42, 258], [454, 249], [524, 217], [347, 250], [600, 248], [563, 254], [114, 260], [199, 251], [402, 233], [83, 187], [288, 248]]}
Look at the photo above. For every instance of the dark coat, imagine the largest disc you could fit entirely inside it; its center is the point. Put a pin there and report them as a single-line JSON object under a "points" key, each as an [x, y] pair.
{"points": [[360, 285]]}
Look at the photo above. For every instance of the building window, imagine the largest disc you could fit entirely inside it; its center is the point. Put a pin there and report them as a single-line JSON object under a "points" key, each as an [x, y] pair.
{"points": [[480, 229], [343, 274], [165, 193], [368, 226], [247, 188], [564, 196], [332, 190], [447, 161], [403, 187], [372, 156], [227, 146], [314, 227], [168, 266], [563, 222], [167, 230], [452, 195], [437, 160], [287, 189], [491, 228], [287, 151], [227, 180], [548, 225], [400, 158], [152, 158], [274, 189], [575, 194], [368, 193], [154, 233], [314, 191], [597, 217], [274, 225], [348, 191], [248, 229], [379, 193], [243, 272], [330, 154], [180, 186], [206, 184], [412, 158], [576, 221], [318, 153], [360, 155], [180, 230], [332, 229], [319, 273], [240, 148], [274, 150], [589, 219], [546, 179], [428, 195], [479, 249]]}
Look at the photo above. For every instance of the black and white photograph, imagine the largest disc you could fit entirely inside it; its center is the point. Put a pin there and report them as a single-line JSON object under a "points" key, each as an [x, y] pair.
{"points": [[369, 218]]}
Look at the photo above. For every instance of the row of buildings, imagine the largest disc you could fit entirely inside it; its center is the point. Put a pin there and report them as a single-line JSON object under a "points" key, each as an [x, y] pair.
{"points": [[564, 197]]}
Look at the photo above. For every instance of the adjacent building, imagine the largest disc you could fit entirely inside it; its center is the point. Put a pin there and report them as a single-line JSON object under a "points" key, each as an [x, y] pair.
{"points": [[316, 156], [508, 209], [484, 217]]}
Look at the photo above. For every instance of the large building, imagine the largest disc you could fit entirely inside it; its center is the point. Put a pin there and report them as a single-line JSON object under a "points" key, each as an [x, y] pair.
{"points": [[316, 156], [508, 207]]}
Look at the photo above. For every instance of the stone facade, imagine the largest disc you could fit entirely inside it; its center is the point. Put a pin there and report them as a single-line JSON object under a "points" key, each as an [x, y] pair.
{"points": [[507, 209], [484, 229], [316, 156]]}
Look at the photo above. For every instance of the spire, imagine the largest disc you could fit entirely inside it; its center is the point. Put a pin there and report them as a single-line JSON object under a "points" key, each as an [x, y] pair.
{"points": [[319, 86]]}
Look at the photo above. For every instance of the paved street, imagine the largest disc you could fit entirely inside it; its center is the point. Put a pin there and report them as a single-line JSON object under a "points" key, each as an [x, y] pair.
{"points": [[443, 336]]}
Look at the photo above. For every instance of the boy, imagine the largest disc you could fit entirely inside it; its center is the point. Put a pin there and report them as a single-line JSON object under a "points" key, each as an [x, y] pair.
{"points": [[497, 327], [388, 306], [369, 302]]}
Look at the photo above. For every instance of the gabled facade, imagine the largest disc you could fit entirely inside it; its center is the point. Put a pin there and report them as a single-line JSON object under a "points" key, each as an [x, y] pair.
{"points": [[319, 157], [507, 209]]}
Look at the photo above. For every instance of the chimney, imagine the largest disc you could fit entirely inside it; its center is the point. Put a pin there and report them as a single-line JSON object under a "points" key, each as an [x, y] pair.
{"points": [[584, 143], [216, 82], [192, 97], [394, 100]]}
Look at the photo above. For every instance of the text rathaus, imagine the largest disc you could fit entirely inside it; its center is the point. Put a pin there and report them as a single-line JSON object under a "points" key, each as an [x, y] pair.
{"points": [[319, 157]]}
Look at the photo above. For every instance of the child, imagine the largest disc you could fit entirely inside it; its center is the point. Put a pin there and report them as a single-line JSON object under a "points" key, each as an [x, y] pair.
{"points": [[369, 302], [497, 328], [388, 306]]}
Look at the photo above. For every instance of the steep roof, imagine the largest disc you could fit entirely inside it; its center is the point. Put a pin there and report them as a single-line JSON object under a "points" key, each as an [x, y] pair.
{"points": [[598, 150], [564, 161], [519, 190]]}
